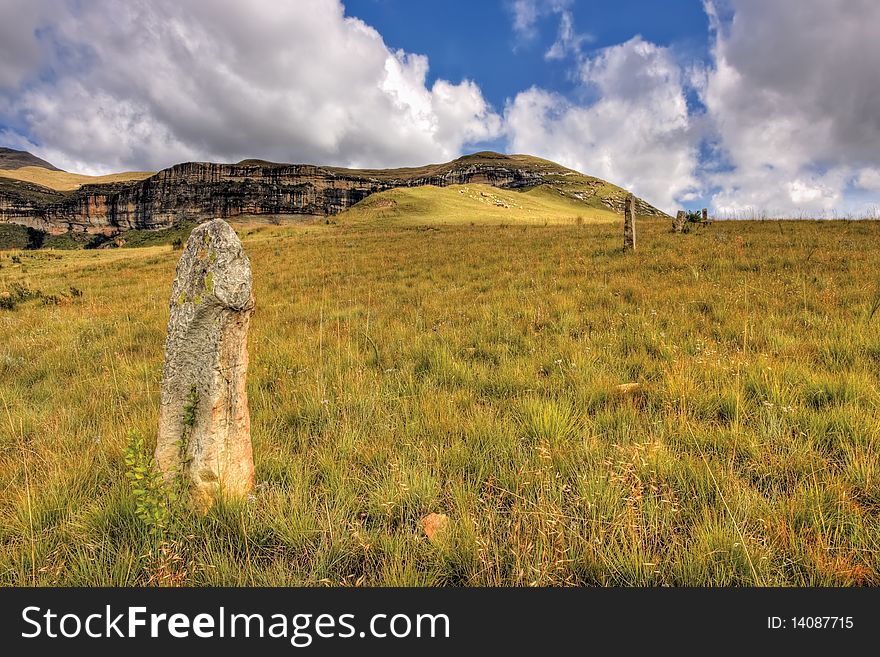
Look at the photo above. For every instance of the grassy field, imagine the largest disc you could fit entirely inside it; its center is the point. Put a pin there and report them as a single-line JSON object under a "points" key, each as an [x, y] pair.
{"points": [[399, 370], [63, 181]]}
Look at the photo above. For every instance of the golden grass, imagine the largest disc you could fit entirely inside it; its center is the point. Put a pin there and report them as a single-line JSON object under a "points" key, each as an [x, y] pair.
{"points": [[473, 204], [63, 181], [471, 371]]}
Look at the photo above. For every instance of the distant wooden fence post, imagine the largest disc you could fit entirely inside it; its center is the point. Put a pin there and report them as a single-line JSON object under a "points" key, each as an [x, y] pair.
{"points": [[629, 225]]}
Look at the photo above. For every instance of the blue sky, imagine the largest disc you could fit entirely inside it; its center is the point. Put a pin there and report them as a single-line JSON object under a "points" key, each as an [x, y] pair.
{"points": [[748, 107], [475, 39]]}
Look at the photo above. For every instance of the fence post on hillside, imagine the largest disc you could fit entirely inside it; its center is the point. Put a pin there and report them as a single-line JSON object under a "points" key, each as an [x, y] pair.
{"points": [[678, 222], [629, 224]]}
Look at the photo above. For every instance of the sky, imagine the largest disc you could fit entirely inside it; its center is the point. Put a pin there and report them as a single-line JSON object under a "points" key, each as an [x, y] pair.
{"points": [[748, 107]]}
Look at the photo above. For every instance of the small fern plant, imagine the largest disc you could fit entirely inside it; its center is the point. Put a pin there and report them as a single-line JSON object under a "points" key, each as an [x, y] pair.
{"points": [[153, 498], [156, 497]]}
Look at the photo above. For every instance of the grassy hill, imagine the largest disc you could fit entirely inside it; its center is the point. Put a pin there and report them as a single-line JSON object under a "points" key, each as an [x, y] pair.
{"points": [[474, 204], [563, 195], [63, 181]]}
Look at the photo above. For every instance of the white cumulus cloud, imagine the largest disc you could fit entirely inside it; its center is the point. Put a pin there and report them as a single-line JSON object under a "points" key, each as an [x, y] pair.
{"points": [[637, 133], [869, 179], [790, 115], [793, 101], [144, 84]]}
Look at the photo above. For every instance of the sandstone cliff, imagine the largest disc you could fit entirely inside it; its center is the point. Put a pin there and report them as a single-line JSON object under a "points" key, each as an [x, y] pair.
{"points": [[197, 191]]}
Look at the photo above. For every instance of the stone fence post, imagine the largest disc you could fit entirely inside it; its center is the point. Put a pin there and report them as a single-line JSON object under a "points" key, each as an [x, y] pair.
{"points": [[629, 225], [678, 222], [204, 423]]}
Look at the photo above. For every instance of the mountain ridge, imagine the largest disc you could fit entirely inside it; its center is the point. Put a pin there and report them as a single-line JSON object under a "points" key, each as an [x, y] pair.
{"points": [[196, 191]]}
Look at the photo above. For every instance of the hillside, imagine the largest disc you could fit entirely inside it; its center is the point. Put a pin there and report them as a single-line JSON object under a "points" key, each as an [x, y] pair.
{"points": [[475, 203], [197, 191], [62, 181], [549, 193], [13, 159]]}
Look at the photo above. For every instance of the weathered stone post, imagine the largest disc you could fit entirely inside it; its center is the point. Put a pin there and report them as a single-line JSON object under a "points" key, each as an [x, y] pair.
{"points": [[678, 222], [705, 215], [629, 225], [204, 423]]}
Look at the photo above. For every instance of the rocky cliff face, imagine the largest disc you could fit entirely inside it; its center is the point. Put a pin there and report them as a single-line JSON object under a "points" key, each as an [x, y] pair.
{"points": [[199, 191]]}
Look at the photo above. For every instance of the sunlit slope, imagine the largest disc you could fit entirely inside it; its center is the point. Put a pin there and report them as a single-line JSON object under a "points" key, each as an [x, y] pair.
{"points": [[63, 181], [475, 203]]}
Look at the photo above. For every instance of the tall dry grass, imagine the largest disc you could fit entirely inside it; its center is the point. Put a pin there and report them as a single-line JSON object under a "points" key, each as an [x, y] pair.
{"points": [[471, 371]]}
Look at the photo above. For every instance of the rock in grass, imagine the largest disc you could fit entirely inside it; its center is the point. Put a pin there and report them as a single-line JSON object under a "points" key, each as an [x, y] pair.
{"points": [[434, 525], [204, 424], [627, 388]]}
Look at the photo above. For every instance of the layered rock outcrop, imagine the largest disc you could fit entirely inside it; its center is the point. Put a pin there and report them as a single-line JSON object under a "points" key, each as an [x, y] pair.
{"points": [[196, 191]]}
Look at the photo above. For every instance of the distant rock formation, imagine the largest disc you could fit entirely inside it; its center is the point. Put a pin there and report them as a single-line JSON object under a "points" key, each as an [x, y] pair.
{"points": [[198, 191]]}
